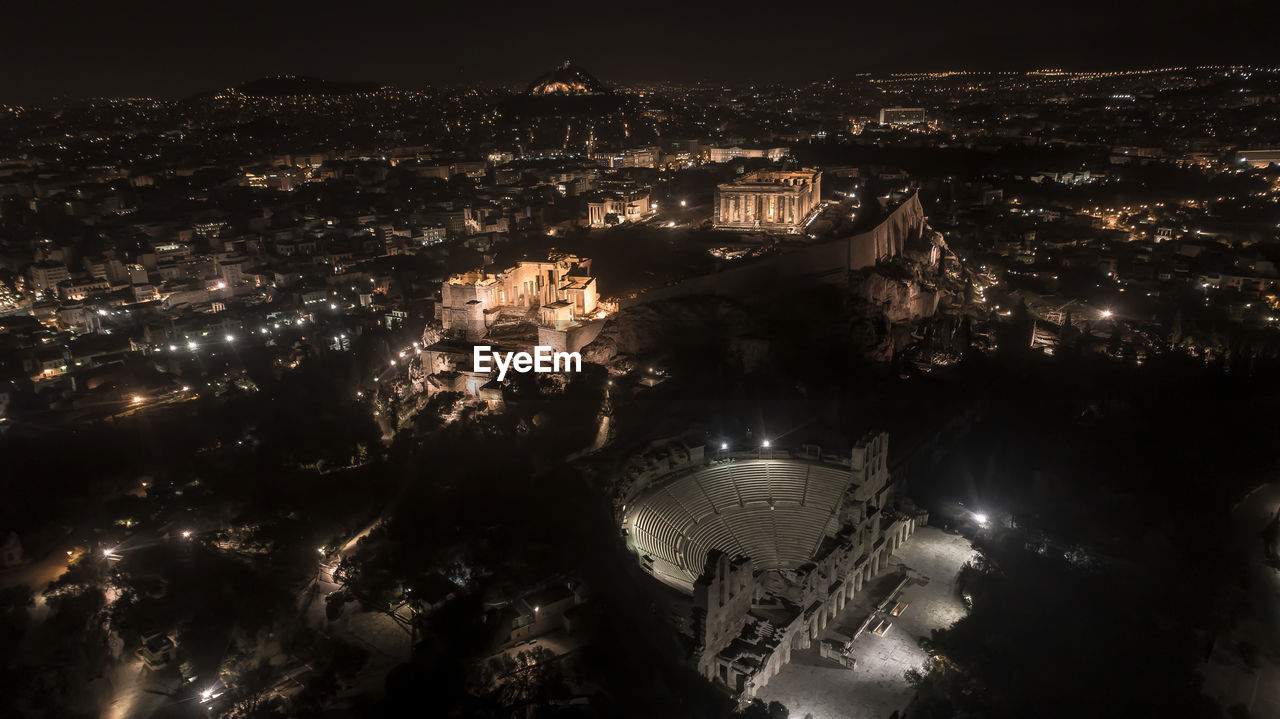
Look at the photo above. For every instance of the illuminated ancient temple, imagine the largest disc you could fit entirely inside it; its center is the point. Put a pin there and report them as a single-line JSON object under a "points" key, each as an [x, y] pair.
{"points": [[769, 201], [562, 288]]}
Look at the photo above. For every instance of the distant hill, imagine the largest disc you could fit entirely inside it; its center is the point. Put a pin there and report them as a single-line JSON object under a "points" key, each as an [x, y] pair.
{"points": [[286, 85], [566, 90], [567, 79]]}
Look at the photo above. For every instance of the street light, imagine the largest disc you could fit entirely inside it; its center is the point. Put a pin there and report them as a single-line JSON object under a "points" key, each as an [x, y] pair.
{"points": [[982, 519], [765, 444], [1106, 314]]}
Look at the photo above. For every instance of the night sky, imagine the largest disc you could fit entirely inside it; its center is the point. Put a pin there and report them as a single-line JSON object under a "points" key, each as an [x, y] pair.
{"points": [[176, 49]]}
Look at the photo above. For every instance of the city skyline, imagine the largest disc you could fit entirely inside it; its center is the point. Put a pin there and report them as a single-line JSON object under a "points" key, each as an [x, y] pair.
{"points": [[158, 51], [481, 362]]}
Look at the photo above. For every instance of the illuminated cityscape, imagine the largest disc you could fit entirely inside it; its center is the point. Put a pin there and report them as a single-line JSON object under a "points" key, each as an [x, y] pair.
{"points": [[391, 364]]}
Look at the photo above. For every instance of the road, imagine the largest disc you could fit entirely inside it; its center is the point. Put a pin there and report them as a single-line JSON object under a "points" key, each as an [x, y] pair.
{"points": [[384, 637], [40, 573]]}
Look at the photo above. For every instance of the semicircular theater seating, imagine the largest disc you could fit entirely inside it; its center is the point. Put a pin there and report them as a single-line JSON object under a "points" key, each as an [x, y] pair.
{"points": [[773, 511]]}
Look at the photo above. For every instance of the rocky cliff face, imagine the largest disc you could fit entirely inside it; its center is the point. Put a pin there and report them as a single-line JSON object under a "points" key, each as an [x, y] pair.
{"points": [[885, 308], [644, 328], [891, 303], [898, 293], [415, 381]]}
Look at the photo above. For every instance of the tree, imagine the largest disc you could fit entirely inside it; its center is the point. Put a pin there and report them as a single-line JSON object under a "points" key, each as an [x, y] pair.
{"points": [[529, 678], [14, 617], [250, 686], [1006, 658], [757, 709]]}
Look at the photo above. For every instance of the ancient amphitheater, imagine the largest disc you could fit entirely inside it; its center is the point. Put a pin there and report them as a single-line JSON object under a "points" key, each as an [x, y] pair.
{"points": [[775, 511], [766, 550]]}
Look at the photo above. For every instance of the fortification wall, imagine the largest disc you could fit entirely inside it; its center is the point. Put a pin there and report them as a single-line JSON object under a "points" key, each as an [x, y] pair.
{"points": [[572, 339], [826, 262]]}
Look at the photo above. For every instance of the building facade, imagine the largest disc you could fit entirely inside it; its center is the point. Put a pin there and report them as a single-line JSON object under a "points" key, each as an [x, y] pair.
{"points": [[727, 154], [624, 200], [623, 208], [561, 288], [902, 116], [769, 201]]}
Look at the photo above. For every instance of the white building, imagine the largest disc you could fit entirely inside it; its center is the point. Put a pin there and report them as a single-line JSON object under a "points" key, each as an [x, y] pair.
{"points": [[725, 154]]}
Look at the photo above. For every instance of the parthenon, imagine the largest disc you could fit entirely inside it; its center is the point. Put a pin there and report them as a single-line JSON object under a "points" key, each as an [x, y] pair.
{"points": [[769, 200]]}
